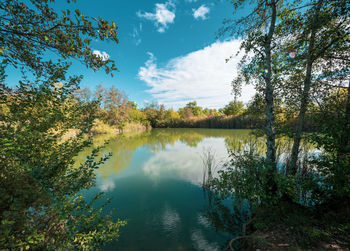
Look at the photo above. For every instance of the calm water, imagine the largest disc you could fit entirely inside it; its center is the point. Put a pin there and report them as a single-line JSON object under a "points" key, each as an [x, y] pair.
{"points": [[154, 179]]}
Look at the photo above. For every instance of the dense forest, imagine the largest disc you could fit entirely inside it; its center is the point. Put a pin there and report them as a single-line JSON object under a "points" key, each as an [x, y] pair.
{"points": [[297, 56]]}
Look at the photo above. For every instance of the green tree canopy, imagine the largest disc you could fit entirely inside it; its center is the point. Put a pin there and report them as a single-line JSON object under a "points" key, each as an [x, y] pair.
{"points": [[31, 29], [233, 108], [44, 123]]}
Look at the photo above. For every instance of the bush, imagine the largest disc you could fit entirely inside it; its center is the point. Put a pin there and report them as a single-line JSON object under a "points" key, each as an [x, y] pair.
{"points": [[42, 206]]}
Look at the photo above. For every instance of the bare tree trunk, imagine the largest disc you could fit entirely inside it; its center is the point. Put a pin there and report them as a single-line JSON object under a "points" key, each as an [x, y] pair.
{"points": [[270, 117], [292, 169]]}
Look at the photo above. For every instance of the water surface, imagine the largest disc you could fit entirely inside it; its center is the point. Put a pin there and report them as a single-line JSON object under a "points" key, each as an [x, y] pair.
{"points": [[154, 179]]}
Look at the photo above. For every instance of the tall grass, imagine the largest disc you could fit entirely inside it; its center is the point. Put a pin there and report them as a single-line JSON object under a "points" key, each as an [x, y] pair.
{"points": [[242, 121], [100, 127], [209, 166]]}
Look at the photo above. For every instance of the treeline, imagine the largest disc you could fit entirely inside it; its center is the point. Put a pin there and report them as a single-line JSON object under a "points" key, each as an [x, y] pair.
{"points": [[116, 112]]}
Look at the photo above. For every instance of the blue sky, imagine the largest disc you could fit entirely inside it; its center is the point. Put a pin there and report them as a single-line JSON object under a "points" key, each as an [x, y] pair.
{"points": [[167, 52]]}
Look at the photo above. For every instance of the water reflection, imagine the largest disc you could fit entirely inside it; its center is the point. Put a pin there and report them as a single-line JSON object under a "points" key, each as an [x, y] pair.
{"points": [[106, 184], [155, 177], [172, 149], [171, 219], [200, 243], [183, 161]]}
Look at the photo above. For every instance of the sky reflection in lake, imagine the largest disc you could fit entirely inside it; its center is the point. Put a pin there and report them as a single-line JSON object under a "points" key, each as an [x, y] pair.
{"points": [[184, 162], [154, 179]]}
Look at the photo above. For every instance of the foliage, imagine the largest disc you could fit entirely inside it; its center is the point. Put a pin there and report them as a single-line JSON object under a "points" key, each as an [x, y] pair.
{"points": [[333, 164], [195, 109], [115, 107], [155, 114], [314, 40], [233, 108], [102, 128], [42, 206], [31, 29], [41, 202], [246, 177]]}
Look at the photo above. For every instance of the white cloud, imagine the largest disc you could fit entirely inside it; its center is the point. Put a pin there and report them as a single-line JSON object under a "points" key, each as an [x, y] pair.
{"points": [[103, 55], [136, 34], [163, 16], [201, 12], [201, 75]]}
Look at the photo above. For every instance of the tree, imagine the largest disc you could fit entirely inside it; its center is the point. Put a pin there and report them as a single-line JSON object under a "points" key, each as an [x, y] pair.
{"points": [[115, 102], [186, 112], [172, 116], [155, 114], [310, 73], [321, 44], [41, 202], [333, 113], [43, 127], [256, 105], [29, 30], [233, 108], [258, 31], [82, 95], [196, 110]]}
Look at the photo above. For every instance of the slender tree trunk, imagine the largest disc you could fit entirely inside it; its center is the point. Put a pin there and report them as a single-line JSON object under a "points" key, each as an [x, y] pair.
{"points": [[292, 169], [343, 152], [347, 115], [303, 107], [270, 118], [271, 186]]}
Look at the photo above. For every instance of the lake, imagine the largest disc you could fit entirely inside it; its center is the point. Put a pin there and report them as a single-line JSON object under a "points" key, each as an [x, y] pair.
{"points": [[154, 179]]}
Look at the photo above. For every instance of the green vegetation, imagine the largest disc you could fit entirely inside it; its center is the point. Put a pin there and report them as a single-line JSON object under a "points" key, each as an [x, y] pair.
{"points": [[233, 108], [297, 58], [117, 113], [43, 128], [300, 200], [41, 204]]}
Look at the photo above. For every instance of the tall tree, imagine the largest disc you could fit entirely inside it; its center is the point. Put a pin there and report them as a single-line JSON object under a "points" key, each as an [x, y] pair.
{"points": [[116, 105], [258, 31], [320, 43], [233, 108]]}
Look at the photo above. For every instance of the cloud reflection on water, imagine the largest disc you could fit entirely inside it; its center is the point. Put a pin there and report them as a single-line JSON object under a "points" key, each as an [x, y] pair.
{"points": [[182, 161], [106, 184], [200, 242], [170, 219]]}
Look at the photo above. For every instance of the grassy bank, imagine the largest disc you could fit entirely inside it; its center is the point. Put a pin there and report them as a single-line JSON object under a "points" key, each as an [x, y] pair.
{"points": [[100, 127], [243, 121]]}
